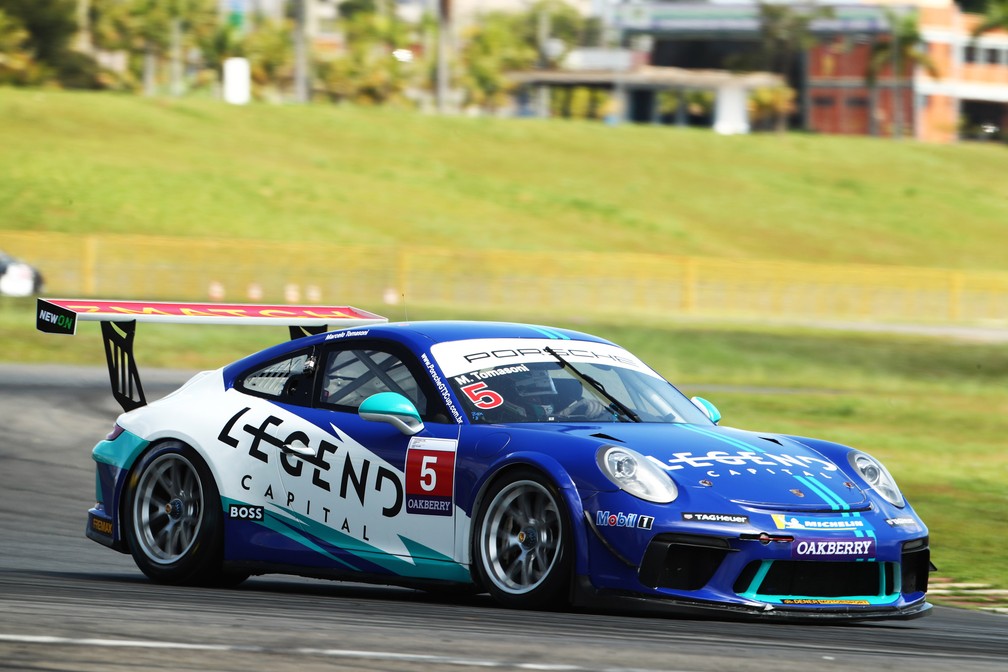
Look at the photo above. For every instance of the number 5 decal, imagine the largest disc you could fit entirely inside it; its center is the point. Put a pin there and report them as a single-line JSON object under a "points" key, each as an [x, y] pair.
{"points": [[430, 476], [482, 396]]}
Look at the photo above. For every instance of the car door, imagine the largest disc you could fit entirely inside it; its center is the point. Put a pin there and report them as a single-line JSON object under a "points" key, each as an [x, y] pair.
{"points": [[365, 492], [265, 427]]}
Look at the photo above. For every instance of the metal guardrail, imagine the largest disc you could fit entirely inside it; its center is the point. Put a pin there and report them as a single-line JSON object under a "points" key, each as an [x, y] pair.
{"points": [[564, 285]]}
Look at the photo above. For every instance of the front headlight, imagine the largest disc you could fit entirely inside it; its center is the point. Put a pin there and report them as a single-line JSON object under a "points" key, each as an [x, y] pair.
{"points": [[875, 475], [635, 474]]}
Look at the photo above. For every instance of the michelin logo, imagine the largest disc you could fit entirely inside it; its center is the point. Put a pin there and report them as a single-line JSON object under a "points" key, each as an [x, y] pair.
{"points": [[794, 523]]}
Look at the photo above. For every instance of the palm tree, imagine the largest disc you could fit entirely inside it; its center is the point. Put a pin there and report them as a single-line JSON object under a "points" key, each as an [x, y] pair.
{"points": [[17, 64], [786, 32], [369, 72], [904, 47], [995, 17], [495, 46], [153, 28]]}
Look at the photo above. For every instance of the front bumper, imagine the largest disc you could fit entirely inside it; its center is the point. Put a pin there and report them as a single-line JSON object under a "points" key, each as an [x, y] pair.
{"points": [[743, 565], [586, 596]]}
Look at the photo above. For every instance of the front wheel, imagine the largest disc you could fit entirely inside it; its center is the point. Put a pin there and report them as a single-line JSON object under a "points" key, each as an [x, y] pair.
{"points": [[522, 543], [173, 518]]}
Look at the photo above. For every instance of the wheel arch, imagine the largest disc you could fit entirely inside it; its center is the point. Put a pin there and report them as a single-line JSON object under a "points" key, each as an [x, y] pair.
{"points": [[158, 439], [555, 473], [202, 562], [155, 444]]}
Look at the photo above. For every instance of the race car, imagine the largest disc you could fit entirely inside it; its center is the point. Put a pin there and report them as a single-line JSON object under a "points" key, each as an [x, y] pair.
{"points": [[18, 278], [544, 466]]}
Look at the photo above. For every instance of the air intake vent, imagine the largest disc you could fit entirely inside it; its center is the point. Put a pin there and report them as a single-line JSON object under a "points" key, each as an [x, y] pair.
{"points": [[819, 579], [916, 563], [682, 561]]}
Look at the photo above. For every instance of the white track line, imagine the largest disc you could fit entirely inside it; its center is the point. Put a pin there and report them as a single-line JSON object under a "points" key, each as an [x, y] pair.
{"points": [[329, 653]]}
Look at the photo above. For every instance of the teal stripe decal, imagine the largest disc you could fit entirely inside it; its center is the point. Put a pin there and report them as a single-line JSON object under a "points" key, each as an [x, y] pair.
{"points": [[886, 594], [422, 561], [748, 447], [831, 498], [549, 333], [859, 532], [754, 585], [279, 524], [287, 528], [871, 533], [835, 502]]}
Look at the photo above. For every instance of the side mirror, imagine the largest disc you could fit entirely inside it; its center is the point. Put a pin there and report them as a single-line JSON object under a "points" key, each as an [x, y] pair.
{"points": [[709, 409], [393, 408]]}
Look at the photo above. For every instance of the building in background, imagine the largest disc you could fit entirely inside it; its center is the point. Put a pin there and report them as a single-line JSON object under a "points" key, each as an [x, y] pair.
{"points": [[967, 96]]}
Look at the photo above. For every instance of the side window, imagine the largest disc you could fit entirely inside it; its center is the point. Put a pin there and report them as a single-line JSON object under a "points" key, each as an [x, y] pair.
{"points": [[351, 376], [288, 380]]}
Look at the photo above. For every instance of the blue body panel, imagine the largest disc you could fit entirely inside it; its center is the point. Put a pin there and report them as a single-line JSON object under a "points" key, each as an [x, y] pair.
{"points": [[753, 500]]}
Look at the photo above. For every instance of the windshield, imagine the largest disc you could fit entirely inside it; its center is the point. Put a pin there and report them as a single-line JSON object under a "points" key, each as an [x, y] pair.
{"points": [[543, 380]]}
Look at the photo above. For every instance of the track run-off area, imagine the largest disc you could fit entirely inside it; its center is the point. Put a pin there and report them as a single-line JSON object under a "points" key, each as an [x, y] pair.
{"points": [[67, 603]]}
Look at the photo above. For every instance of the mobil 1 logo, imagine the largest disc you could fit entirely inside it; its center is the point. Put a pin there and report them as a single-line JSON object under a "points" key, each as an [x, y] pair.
{"points": [[620, 519]]}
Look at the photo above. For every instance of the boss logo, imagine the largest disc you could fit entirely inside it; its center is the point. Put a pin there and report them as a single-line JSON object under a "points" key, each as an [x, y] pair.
{"points": [[239, 512]]}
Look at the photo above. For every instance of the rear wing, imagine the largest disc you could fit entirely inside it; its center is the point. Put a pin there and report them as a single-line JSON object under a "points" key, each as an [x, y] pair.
{"points": [[118, 325]]}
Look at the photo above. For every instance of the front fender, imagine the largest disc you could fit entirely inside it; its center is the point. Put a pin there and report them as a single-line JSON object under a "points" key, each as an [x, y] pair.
{"points": [[555, 472]]}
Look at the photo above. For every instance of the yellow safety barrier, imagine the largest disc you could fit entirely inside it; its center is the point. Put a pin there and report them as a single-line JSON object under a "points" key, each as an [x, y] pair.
{"points": [[564, 285]]}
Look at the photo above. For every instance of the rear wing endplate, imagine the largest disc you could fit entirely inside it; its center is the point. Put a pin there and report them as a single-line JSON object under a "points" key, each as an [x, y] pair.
{"points": [[118, 324]]}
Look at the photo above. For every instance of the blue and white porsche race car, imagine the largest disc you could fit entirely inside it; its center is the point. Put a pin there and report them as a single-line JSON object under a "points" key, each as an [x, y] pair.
{"points": [[544, 466]]}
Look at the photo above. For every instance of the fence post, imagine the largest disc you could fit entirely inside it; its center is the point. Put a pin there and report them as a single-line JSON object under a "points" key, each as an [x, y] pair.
{"points": [[689, 285], [955, 296]]}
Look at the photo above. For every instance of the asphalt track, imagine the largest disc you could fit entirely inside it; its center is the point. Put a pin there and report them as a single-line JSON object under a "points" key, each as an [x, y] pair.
{"points": [[67, 603]]}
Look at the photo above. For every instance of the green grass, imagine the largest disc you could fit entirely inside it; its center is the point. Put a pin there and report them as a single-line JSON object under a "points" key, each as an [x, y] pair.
{"points": [[86, 162], [936, 411]]}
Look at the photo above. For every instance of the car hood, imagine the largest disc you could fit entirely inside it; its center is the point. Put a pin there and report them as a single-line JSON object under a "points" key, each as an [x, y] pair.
{"points": [[765, 471]]}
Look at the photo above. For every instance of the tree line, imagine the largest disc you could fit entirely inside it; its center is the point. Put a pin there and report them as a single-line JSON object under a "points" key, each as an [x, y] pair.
{"points": [[177, 46], [172, 46]]}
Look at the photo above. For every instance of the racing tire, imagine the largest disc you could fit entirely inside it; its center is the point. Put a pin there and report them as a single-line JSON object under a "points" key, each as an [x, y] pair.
{"points": [[173, 519], [522, 542]]}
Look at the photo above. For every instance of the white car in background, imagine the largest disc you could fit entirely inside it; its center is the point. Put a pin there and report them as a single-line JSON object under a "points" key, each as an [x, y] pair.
{"points": [[18, 278]]}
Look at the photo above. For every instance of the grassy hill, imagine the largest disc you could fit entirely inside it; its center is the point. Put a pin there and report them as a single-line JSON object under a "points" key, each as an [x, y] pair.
{"points": [[110, 163], [934, 411]]}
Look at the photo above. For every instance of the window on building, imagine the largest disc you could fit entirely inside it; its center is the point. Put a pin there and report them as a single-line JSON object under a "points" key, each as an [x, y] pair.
{"points": [[970, 54], [857, 101], [823, 101], [992, 56]]}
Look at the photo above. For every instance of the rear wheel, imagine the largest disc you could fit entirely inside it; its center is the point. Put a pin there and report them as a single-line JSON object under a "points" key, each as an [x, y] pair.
{"points": [[522, 545], [173, 518]]}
